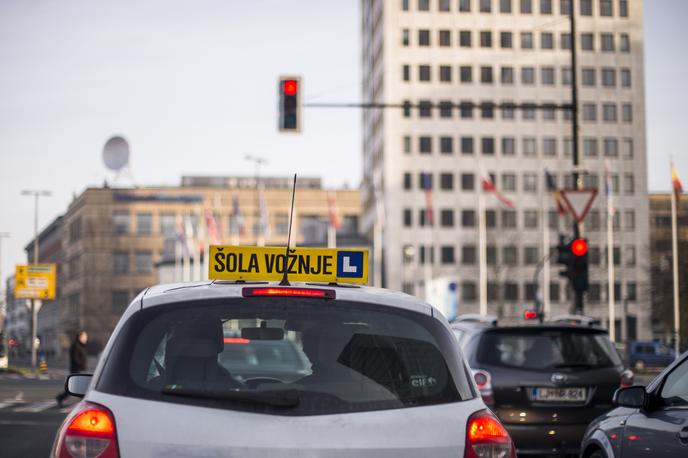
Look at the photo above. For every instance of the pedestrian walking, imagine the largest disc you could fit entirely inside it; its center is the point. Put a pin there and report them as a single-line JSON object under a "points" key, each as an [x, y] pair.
{"points": [[78, 359]]}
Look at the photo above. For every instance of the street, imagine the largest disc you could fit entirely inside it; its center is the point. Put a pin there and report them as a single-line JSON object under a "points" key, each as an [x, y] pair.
{"points": [[29, 416]]}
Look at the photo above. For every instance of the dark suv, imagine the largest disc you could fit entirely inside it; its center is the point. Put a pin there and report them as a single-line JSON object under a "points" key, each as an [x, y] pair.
{"points": [[546, 383]]}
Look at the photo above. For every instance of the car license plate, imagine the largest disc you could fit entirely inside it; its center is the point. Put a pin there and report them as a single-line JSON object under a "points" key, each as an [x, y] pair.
{"points": [[558, 394]]}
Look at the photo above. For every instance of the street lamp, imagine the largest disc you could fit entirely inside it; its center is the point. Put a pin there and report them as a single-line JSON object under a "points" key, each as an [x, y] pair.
{"points": [[34, 310]]}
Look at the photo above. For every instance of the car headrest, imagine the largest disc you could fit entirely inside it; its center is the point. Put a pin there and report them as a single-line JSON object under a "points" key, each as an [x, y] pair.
{"points": [[202, 331]]}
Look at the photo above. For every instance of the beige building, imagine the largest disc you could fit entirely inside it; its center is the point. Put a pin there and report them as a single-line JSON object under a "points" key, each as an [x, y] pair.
{"points": [[115, 239], [449, 64]]}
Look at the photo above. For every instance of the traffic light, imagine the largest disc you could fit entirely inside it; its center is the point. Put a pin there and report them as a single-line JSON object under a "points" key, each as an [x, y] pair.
{"points": [[573, 256], [289, 104], [530, 315]]}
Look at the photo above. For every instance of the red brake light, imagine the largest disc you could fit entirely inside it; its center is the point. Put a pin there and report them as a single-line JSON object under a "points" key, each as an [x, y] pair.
{"points": [[579, 247], [236, 340], [530, 315], [88, 432], [485, 436], [290, 87], [289, 292]]}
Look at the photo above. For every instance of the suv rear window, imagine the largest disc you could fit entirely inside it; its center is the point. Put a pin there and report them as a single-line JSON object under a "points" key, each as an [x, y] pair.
{"points": [[286, 356], [546, 349]]}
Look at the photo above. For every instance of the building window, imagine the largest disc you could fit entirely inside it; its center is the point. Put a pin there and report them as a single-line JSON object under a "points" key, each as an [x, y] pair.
{"points": [[624, 43], [468, 218], [407, 109], [464, 6], [529, 146], [609, 112], [445, 73], [627, 148], [467, 145], [444, 38], [444, 5], [505, 39], [485, 6], [446, 181], [549, 146], [547, 40], [404, 5], [629, 255], [627, 112], [565, 41], [590, 147], [505, 6], [423, 5], [526, 7], [423, 38], [507, 75], [406, 72], [528, 111], [491, 255], [465, 38], [508, 111], [629, 184], [529, 182], [466, 73], [408, 217], [566, 76], [120, 222], [120, 262], [530, 255], [407, 144], [545, 6], [587, 42], [607, 42], [490, 219], [611, 147], [510, 291], [144, 261], [407, 181], [508, 182], [530, 219], [423, 73], [447, 218], [468, 291], [526, 40], [120, 300], [547, 74], [467, 182], [608, 77], [605, 7], [487, 110], [405, 37], [468, 254], [623, 8], [508, 146], [447, 255], [281, 224], [144, 223], [510, 255], [485, 39], [629, 220], [425, 145], [486, 75], [565, 7], [446, 145], [487, 144], [588, 76], [527, 75], [425, 181], [425, 109], [426, 252], [509, 218], [446, 109], [586, 7], [589, 112], [549, 112], [625, 74]]}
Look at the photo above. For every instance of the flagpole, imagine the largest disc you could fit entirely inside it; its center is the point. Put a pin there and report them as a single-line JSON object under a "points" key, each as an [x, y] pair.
{"points": [[545, 251], [482, 247], [674, 253], [610, 270]]}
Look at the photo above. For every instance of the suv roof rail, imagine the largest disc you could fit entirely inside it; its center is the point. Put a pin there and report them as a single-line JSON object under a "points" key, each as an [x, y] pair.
{"points": [[476, 318], [580, 320]]}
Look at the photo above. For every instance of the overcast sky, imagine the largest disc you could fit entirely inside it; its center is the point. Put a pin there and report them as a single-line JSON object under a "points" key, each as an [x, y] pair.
{"points": [[192, 86]]}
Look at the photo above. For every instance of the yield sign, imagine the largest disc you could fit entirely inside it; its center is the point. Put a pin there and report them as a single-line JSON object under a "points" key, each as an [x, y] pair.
{"points": [[579, 201]]}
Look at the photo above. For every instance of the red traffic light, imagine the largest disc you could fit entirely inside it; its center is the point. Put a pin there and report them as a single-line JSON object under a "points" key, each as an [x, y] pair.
{"points": [[530, 315], [579, 247], [290, 87]]}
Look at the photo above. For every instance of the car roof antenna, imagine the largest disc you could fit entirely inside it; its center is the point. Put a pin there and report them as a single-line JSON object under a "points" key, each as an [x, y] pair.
{"points": [[285, 279]]}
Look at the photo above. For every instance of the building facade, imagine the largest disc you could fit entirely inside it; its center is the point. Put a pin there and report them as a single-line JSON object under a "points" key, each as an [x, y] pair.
{"points": [[114, 240], [661, 266], [17, 322], [453, 68]]}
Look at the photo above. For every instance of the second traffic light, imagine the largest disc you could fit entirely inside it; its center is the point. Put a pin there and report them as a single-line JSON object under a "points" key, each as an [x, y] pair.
{"points": [[289, 104], [573, 256]]}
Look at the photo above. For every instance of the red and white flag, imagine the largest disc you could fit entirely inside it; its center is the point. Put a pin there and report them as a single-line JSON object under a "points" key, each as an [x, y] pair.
{"points": [[489, 186], [676, 182], [213, 230], [333, 211], [429, 211]]}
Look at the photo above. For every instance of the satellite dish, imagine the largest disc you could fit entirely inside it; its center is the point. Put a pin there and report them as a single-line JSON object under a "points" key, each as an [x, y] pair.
{"points": [[116, 153]]}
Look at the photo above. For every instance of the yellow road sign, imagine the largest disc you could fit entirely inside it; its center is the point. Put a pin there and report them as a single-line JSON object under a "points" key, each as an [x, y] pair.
{"points": [[34, 281], [305, 264]]}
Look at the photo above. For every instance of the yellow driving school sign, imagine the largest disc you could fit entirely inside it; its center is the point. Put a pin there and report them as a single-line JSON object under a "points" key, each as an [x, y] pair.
{"points": [[327, 265], [34, 281]]}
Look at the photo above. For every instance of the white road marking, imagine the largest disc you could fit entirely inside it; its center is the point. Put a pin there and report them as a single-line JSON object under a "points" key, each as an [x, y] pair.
{"points": [[36, 406], [18, 399]]}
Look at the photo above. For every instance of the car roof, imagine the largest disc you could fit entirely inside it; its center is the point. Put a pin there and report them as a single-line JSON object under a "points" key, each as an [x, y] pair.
{"points": [[472, 327], [164, 294]]}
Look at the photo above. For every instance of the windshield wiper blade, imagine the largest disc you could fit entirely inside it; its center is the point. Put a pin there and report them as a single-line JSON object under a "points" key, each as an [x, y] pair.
{"points": [[276, 398]]}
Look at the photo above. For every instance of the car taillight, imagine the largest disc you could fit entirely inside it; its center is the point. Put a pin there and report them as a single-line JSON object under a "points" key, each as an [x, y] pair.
{"points": [[483, 380], [487, 438], [627, 378], [88, 432], [289, 292]]}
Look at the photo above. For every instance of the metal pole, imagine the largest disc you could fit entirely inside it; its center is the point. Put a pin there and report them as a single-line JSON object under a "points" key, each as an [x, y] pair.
{"points": [[2, 236], [258, 161], [674, 255]]}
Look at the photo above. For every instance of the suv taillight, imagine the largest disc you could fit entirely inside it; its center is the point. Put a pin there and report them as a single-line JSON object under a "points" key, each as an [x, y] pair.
{"points": [[88, 432], [487, 438], [483, 380], [627, 378]]}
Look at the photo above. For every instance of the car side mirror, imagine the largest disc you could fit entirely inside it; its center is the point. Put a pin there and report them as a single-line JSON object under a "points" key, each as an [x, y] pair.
{"points": [[77, 384], [634, 397]]}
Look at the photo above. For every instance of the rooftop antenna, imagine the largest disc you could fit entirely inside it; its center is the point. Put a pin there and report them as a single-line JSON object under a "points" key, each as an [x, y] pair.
{"points": [[285, 279]]}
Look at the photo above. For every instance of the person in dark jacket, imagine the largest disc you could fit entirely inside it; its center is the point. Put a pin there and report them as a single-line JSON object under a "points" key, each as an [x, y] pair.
{"points": [[78, 360]]}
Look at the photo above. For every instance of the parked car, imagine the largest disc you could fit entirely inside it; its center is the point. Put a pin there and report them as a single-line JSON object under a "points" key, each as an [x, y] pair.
{"points": [[645, 355], [650, 421], [544, 382]]}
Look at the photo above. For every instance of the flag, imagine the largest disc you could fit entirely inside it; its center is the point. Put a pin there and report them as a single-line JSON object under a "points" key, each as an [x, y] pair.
{"points": [[676, 182], [333, 211], [213, 230], [608, 189], [189, 233], [238, 227], [427, 186], [264, 215], [552, 187], [489, 186], [181, 239]]}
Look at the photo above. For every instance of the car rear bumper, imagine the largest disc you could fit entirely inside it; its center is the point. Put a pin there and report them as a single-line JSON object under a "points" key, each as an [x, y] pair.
{"points": [[546, 438]]}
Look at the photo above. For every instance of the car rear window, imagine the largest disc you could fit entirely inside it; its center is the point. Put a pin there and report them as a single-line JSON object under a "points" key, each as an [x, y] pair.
{"points": [[547, 349], [286, 356]]}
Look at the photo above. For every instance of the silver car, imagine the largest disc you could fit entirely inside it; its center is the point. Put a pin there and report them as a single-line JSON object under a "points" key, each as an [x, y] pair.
{"points": [[650, 421]]}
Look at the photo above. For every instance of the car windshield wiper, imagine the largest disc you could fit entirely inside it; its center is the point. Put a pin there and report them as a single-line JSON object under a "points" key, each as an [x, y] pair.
{"points": [[276, 398]]}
